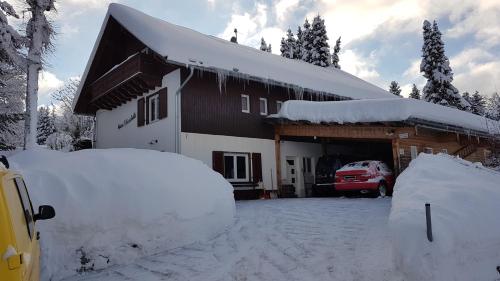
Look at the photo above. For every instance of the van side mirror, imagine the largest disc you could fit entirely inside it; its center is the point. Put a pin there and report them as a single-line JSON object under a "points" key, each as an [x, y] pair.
{"points": [[45, 212]]}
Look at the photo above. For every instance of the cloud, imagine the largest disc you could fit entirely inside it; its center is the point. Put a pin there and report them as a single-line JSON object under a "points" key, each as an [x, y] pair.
{"points": [[48, 83], [252, 26], [360, 66]]}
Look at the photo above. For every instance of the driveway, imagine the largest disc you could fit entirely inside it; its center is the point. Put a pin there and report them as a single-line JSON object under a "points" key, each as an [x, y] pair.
{"points": [[286, 239]]}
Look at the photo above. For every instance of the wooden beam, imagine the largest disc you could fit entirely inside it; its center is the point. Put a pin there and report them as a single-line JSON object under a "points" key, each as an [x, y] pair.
{"points": [[277, 149], [395, 156], [343, 131]]}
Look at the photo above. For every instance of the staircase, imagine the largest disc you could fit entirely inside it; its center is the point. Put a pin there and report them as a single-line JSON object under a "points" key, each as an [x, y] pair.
{"points": [[466, 150]]}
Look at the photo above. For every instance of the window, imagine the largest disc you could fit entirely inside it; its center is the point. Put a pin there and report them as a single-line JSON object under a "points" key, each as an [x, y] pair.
{"points": [[28, 208], [154, 108], [263, 106], [414, 152], [278, 106], [236, 168], [444, 150], [245, 103], [428, 150]]}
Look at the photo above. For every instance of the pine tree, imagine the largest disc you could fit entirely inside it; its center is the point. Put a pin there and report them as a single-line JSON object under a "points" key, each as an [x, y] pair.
{"points": [[269, 49], [466, 96], [263, 45], [284, 48], [307, 42], [335, 55], [395, 89], [435, 66], [288, 45], [320, 52], [12, 89], [298, 44], [415, 92], [46, 125], [477, 104]]}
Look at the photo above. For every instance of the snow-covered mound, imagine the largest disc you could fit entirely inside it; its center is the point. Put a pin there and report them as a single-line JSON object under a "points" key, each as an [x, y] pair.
{"points": [[383, 110], [465, 207], [115, 205]]}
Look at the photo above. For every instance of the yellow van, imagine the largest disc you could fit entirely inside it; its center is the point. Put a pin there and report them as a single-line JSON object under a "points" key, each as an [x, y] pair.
{"points": [[19, 247]]}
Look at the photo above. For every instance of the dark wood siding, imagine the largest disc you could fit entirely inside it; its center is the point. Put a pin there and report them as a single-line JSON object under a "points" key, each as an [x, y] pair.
{"points": [[206, 110]]}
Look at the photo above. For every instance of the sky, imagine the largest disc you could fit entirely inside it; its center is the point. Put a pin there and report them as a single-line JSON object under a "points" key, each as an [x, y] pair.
{"points": [[381, 40]]}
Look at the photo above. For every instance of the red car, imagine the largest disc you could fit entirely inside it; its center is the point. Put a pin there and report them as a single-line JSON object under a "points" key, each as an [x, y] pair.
{"points": [[366, 177]]}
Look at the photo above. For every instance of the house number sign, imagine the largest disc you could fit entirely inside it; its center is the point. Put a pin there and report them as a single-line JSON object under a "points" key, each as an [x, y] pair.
{"points": [[127, 121]]}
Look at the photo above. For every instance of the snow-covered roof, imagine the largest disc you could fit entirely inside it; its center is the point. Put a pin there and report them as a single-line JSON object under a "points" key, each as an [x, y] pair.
{"points": [[384, 110], [188, 47]]}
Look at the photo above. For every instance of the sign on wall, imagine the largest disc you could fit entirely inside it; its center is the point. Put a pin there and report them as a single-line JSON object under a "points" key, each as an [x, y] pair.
{"points": [[127, 121]]}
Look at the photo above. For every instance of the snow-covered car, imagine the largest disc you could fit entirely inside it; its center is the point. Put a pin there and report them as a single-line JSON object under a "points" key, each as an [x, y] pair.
{"points": [[366, 177]]}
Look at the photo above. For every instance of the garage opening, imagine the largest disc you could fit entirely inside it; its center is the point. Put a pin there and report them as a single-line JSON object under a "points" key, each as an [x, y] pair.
{"points": [[359, 150]]}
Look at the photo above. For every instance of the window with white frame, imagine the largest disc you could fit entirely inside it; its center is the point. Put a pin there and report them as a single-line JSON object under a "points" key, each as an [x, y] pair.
{"points": [[444, 150], [245, 103], [278, 106], [154, 108], [428, 150], [414, 152], [236, 167], [263, 106]]}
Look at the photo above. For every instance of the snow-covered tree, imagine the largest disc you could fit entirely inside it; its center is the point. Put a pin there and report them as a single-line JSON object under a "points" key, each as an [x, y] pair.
{"points": [[298, 44], [12, 89], [477, 104], [320, 51], [263, 45], [77, 126], [335, 55], [46, 124], [493, 107], [269, 49], [394, 88], [288, 45], [415, 92], [466, 96], [307, 42], [435, 66], [37, 42]]}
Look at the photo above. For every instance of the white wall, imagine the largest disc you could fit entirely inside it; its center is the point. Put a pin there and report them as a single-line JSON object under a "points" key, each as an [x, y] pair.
{"points": [[201, 146], [299, 150], [109, 136]]}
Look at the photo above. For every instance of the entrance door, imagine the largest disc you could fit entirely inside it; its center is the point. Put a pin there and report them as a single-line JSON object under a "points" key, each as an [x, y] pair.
{"points": [[291, 171]]}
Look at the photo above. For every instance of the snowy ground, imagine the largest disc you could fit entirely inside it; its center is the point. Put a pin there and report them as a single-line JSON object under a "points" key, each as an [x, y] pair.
{"points": [[294, 239]]}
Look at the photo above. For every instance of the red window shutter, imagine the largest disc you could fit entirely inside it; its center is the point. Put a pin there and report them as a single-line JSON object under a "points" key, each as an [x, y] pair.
{"points": [[140, 112], [163, 98], [257, 167], [218, 161]]}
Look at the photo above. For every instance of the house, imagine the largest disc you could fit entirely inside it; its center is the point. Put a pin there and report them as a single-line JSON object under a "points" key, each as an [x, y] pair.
{"points": [[155, 85]]}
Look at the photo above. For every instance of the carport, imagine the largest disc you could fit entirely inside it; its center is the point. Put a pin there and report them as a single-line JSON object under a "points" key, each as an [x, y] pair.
{"points": [[347, 142]]}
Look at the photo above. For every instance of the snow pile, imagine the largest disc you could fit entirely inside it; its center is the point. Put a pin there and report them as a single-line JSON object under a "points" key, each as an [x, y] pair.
{"points": [[465, 207], [383, 110], [186, 46], [116, 205]]}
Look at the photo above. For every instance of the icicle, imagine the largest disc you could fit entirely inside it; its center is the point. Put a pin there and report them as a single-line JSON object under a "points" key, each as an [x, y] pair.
{"points": [[299, 92], [221, 79]]}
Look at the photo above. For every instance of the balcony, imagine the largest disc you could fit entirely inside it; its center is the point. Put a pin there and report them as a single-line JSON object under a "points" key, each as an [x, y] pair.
{"points": [[133, 77]]}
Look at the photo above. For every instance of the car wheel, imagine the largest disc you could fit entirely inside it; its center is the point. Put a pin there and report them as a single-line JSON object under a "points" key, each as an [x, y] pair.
{"points": [[382, 190]]}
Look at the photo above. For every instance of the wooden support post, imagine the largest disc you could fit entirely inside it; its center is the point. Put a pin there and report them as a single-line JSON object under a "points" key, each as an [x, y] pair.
{"points": [[395, 156], [277, 148]]}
